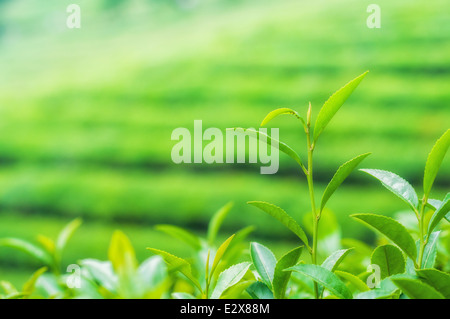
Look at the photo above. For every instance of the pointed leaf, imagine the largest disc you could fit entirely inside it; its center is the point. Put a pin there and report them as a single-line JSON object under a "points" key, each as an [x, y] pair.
{"points": [[281, 111], [334, 103], [392, 230], [101, 272], [66, 234], [181, 234], [430, 251], [282, 217], [333, 261], [121, 254], [396, 185], [390, 260], [437, 279], [341, 174], [355, 281], [229, 277], [220, 252], [281, 277], [264, 261], [325, 278], [29, 286], [178, 264], [259, 290], [272, 142], [434, 161], [440, 213], [216, 222], [27, 248], [415, 289]]}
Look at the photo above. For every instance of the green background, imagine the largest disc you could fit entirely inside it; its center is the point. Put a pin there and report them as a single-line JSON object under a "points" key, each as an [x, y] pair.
{"points": [[86, 114]]}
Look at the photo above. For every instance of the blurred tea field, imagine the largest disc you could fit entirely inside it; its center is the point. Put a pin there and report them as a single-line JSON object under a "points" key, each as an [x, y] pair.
{"points": [[86, 115]]}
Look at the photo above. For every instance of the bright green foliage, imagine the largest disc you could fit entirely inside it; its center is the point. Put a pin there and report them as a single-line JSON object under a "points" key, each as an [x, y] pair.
{"points": [[341, 174], [437, 279], [334, 103], [415, 289], [280, 111], [282, 217], [326, 278], [392, 230], [259, 290], [390, 260], [355, 281], [283, 147], [434, 161], [178, 264], [281, 277], [229, 278], [264, 261], [216, 222], [396, 185], [440, 213]]}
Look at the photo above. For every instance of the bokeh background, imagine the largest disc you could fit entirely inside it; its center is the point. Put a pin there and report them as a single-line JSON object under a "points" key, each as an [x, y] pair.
{"points": [[86, 114]]}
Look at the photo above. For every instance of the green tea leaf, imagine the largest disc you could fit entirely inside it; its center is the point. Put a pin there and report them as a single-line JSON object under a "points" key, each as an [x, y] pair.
{"points": [[178, 264], [334, 103], [325, 278], [440, 213], [29, 286], [264, 261], [341, 174], [390, 260], [216, 222], [236, 291], [121, 254], [281, 111], [229, 277], [220, 252], [28, 248], [415, 289], [396, 185], [281, 277], [102, 272], [430, 251], [259, 290], [152, 272], [434, 161], [236, 246], [333, 261], [392, 230], [282, 217], [65, 235], [8, 287], [437, 279], [355, 281], [272, 142], [181, 234]]}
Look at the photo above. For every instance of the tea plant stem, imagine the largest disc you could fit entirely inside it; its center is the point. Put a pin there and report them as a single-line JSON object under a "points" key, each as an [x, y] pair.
{"points": [[423, 241], [309, 177]]}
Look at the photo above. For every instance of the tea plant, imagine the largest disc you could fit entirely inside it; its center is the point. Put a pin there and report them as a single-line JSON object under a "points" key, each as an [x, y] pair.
{"points": [[321, 275], [421, 280], [210, 276]]}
